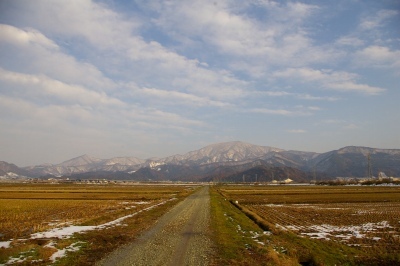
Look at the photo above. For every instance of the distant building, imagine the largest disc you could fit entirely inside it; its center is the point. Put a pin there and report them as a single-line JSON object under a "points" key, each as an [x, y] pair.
{"points": [[382, 175], [287, 181]]}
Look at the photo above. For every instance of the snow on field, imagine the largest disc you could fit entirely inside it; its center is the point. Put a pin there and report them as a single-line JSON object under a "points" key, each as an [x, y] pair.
{"points": [[67, 232], [135, 202], [5, 244], [327, 231], [62, 252]]}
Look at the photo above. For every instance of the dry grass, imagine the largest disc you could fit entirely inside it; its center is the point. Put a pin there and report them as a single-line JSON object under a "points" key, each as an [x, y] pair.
{"points": [[29, 208], [311, 194]]}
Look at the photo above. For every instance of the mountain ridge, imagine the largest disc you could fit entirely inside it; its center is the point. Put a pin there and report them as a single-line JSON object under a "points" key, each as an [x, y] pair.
{"points": [[348, 161]]}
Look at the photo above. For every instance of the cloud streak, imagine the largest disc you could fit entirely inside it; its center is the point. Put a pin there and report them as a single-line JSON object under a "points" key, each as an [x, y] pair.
{"points": [[328, 79]]}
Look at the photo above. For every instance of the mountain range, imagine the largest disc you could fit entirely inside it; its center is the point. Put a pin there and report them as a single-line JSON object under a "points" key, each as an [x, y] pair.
{"points": [[229, 161]]}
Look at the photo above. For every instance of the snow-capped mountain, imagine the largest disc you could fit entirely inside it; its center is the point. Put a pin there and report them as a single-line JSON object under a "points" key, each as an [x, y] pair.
{"points": [[235, 151], [228, 152], [11, 171], [81, 161], [85, 163], [123, 161], [216, 158]]}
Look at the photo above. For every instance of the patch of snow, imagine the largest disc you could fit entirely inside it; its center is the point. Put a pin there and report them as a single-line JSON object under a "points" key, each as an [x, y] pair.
{"points": [[141, 202], [274, 205], [5, 244], [51, 244], [281, 227], [326, 231], [23, 258], [155, 164], [320, 235], [64, 232], [68, 231], [61, 252], [19, 259]]}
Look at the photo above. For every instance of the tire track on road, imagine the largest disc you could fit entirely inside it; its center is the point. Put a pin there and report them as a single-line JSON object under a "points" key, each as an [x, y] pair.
{"points": [[180, 237]]}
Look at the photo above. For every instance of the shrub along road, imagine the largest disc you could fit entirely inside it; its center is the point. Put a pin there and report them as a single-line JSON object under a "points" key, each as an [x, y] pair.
{"points": [[180, 237]]}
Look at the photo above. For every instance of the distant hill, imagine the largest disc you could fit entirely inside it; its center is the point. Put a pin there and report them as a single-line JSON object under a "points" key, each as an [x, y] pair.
{"points": [[11, 171], [84, 164], [228, 161], [353, 162]]}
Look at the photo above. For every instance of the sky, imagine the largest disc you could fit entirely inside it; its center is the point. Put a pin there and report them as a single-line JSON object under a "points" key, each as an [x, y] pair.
{"points": [[156, 78]]}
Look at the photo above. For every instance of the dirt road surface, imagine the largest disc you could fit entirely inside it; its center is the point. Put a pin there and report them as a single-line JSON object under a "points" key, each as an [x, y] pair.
{"points": [[180, 237]]}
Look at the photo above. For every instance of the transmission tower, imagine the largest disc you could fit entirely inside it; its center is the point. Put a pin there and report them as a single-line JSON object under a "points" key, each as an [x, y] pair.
{"points": [[315, 175], [369, 166]]}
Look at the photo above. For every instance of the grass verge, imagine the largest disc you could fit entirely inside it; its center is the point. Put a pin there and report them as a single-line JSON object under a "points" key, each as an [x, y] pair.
{"points": [[236, 237]]}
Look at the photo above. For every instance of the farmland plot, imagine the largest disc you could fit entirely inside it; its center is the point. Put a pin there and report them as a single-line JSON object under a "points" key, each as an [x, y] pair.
{"points": [[365, 220], [362, 224], [42, 223]]}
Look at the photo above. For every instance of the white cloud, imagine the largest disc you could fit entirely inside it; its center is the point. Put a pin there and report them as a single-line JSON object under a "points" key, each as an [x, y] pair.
{"points": [[169, 69], [339, 124], [46, 117], [80, 18], [278, 39], [178, 98], [276, 93], [328, 79], [378, 56], [16, 36], [297, 131], [350, 41], [47, 88], [351, 126], [377, 20], [48, 98], [333, 121], [302, 96], [348, 86], [314, 108], [317, 98], [33, 52], [296, 111], [125, 53], [272, 111]]}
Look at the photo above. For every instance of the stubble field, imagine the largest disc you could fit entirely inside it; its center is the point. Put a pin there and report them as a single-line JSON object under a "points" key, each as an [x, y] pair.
{"points": [[38, 222], [71, 224], [363, 223]]}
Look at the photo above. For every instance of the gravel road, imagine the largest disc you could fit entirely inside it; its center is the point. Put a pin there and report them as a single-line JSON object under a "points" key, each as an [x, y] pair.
{"points": [[180, 237]]}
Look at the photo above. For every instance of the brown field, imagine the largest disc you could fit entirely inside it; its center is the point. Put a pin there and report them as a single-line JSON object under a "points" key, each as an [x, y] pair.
{"points": [[365, 219], [288, 225], [26, 209]]}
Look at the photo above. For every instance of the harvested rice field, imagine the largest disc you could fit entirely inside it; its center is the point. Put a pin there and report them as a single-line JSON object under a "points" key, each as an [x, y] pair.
{"points": [[43, 223], [364, 219]]}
